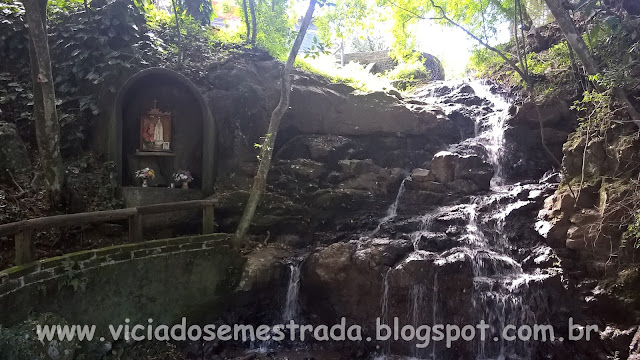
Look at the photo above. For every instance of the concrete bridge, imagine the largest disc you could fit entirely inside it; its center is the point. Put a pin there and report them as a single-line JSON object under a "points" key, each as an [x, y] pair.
{"points": [[162, 279]]}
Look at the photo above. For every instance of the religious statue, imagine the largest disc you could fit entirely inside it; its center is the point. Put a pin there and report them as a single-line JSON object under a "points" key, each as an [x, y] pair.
{"points": [[155, 130]]}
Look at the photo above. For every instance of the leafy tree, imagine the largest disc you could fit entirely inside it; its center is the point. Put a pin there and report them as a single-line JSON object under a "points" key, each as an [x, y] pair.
{"points": [[266, 149], [200, 10], [44, 99], [268, 26], [577, 43]]}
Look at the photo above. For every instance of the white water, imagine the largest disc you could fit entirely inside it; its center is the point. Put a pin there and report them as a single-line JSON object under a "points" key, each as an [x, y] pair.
{"points": [[501, 293], [289, 312], [384, 309], [494, 125], [426, 221], [392, 212], [291, 305]]}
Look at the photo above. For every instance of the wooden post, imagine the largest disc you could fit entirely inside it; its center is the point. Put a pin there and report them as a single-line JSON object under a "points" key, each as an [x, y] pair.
{"points": [[208, 220], [135, 228], [24, 247]]}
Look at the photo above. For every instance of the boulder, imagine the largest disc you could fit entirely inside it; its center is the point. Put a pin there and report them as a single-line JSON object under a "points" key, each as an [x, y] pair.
{"points": [[474, 173], [13, 153], [263, 268], [20, 342], [315, 109], [322, 148], [552, 112]]}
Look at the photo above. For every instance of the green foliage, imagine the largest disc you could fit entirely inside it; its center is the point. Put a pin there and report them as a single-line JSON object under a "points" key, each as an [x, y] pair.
{"points": [[485, 63], [199, 10], [614, 41], [88, 54], [59, 7], [340, 20], [275, 30], [552, 62], [594, 109], [72, 276], [408, 74], [352, 74]]}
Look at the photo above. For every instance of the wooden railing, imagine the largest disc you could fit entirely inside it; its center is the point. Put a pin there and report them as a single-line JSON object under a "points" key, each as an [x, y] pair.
{"points": [[23, 230]]}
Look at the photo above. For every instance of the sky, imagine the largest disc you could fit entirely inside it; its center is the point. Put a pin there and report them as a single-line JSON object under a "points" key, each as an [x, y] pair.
{"points": [[449, 44]]}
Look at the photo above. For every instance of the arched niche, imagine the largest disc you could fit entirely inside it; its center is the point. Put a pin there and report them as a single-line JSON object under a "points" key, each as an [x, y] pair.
{"points": [[192, 129]]}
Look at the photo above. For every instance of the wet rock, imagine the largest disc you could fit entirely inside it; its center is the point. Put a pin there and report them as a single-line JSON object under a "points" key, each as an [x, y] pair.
{"points": [[541, 257], [263, 268], [302, 169], [464, 186], [421, 179], [436, 242], [447, 167], [634, 347], [552, 112], [13, 154], [20, 342], [420, 175], [365, 175], [322, 148], [329, 199], [337, 285], [620, 340], [350, 168]]}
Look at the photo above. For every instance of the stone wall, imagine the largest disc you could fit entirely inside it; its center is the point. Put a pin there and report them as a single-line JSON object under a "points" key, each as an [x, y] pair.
{"points": [[162, 279]]}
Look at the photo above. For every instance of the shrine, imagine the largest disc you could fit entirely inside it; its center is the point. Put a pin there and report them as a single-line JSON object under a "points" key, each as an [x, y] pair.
{"points": [[165, 136]]}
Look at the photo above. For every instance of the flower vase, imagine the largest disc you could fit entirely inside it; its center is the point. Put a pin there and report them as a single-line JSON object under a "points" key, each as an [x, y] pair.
{"points": [[145, 183], [185, 185]]}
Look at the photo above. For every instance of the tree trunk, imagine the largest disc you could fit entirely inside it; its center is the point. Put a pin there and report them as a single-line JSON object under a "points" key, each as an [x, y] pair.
{"points": [[175, 12], [246, 21], [254, 21], [266, 152], [574, 38], [44, 98]]}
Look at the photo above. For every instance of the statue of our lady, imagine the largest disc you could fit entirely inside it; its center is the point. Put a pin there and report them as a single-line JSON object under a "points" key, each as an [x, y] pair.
{"points": [[158, 133]]}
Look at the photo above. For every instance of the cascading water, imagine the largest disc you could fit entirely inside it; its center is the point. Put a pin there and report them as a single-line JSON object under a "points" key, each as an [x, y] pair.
{"points": [[392, 211], [491, 129], [425, 225], [384, 308], [501, 294], [291, 305]]}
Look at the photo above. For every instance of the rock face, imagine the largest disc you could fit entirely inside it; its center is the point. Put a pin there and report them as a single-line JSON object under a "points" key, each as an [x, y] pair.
{"points": [[527, 156], [318, 110], [13, 153], [441, 245], [339, 156], [464, 173]]}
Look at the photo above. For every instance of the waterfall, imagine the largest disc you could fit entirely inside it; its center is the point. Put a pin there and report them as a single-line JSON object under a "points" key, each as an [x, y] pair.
{"points": [[384, 309], [494, 125], [392, 212], [290, 311], [426, 221]]}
